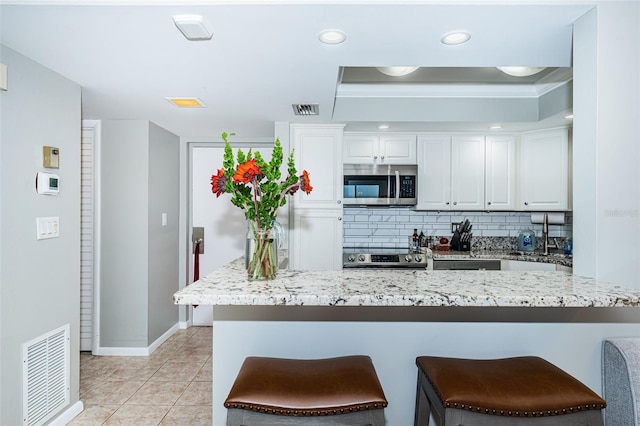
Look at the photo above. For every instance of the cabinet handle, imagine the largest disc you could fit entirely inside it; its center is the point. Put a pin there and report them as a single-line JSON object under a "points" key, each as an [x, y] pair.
{"points": [[375, 157], [455, 203], [382, 157], [339, 218], [526, 204], [447, 203], [339, 202], [488, 203]]}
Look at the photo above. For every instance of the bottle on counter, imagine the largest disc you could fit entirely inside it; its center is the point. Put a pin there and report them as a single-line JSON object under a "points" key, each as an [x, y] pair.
{"points": [[422, 240]]}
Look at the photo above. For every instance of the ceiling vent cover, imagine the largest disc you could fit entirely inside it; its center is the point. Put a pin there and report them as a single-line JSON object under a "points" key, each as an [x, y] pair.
{"points": [[306, 109]]}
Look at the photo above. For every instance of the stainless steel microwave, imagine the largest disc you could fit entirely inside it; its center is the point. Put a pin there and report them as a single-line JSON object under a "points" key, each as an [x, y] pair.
{"points": [[380, 185]]}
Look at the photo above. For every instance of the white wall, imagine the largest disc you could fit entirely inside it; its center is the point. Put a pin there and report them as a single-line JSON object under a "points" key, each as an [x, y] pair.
{"points": [[606, 184], [39, 280]]}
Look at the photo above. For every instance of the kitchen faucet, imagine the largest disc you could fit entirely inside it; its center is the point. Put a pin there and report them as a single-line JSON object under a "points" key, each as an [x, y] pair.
{"points": [[545, 236]]}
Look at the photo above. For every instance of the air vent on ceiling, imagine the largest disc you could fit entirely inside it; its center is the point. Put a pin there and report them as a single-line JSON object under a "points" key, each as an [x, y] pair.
{"points": [[305, 109]]}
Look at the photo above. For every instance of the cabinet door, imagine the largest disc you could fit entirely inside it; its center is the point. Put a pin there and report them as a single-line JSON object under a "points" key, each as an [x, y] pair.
{"points": [[434, 172], [316, 240], [544, 168], [360, 149], [397, 149], [467, 173], [318, 149], [500, 163]]}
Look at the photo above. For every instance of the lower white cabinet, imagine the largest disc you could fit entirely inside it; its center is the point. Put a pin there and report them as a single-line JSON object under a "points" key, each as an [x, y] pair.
{"points": [[316, 240]]}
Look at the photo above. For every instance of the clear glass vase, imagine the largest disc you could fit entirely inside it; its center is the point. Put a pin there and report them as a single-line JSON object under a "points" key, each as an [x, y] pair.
{"points": [[261, 253]]}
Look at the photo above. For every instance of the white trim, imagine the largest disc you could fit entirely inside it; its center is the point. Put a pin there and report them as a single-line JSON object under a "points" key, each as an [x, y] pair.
{"points": [[142, 351], [68, 414], [185, 324], [95, 126]]}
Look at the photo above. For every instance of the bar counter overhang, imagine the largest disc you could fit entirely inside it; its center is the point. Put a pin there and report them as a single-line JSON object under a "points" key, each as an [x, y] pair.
{"points": [[394, 316]]}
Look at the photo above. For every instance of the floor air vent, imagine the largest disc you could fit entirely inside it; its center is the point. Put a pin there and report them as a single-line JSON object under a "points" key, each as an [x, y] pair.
{"points": [[45, 376], [306, 109]]}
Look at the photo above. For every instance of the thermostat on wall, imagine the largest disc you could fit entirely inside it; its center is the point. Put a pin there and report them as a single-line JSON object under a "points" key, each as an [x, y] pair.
{"points": [[47, 183]]}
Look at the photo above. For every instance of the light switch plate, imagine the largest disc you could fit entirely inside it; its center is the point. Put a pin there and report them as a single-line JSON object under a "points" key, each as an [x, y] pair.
{"points": [[3, 77], [47, 227]]}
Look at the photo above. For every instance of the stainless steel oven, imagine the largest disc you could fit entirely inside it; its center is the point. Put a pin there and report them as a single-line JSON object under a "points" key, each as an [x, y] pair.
{"points": [[392, 258], [381, 185]]}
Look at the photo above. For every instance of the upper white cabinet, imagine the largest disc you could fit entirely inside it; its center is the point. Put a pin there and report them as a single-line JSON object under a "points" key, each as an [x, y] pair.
{"points": [[544, 170], [500, 172], [379, 149], [318, 149], [450, 172]]}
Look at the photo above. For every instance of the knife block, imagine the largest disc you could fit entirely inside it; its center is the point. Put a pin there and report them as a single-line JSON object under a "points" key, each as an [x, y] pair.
{"points": [[458, 245]]}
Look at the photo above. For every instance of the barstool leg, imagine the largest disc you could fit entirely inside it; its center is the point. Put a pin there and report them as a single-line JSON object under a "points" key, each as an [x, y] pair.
{"points": [[423, 407]]}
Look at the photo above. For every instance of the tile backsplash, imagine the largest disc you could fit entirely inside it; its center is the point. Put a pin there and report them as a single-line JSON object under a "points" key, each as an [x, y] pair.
{"points": [[390, 227]]}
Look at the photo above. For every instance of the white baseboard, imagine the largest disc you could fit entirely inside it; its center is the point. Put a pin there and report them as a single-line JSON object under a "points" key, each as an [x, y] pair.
{"points": [[185, 324], [68, 414], [125, 351]]}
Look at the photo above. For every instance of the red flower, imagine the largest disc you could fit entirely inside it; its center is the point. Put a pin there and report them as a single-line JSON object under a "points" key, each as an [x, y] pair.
{"points": [[245, 172], [217, 183], [305, 184]]}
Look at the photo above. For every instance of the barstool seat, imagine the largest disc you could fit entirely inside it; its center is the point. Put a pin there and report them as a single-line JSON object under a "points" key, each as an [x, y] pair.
{"points": [[334, 391], [510, 391]]}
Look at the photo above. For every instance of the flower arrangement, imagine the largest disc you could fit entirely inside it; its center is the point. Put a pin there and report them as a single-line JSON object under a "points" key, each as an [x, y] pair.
{"points": [[256, 187]]}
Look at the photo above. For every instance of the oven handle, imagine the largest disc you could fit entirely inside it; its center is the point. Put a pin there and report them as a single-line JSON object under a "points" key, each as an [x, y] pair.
{"points": [[397, 186]]}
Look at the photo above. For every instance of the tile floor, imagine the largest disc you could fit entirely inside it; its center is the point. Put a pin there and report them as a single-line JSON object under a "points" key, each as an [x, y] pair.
{"points": [[172, 386]]}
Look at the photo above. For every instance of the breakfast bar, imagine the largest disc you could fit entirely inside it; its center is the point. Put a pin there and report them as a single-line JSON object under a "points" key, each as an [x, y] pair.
{"points": [[395, 316]]}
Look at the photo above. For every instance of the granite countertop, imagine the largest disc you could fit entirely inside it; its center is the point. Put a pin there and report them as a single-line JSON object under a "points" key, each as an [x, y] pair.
{"points": [[554, 258], [378, 287]]}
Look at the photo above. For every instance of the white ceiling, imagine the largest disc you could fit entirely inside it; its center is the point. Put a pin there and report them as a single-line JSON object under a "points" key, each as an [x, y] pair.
{"points": [[265, 56]]}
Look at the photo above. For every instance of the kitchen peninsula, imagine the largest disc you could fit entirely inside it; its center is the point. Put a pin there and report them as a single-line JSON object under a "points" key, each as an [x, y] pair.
{"points": [[394, 316]]}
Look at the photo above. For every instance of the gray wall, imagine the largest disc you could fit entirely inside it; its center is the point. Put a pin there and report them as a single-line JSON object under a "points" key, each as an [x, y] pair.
{"points": [[164, 191], [39, 280], [139, 257], [124, 243]]}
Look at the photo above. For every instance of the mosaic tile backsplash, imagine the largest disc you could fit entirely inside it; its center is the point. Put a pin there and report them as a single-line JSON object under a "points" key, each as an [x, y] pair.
{"points": [[390, 227]]}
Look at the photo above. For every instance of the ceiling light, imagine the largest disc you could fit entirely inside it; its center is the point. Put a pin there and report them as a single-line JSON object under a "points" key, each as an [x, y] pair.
{"points": [[521, 71], [383, 127], [332, 36], [455, 37], [396, 71], [192, 27], [187, 102], [495, 127]]}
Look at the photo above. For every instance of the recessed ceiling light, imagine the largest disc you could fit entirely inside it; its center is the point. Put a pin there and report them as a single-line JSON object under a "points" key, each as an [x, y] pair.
{"points": [[495, 127], [568, 117], [332, 36], [187, 102], [521, 71], [383, 127], [455, 37], [192, 27], [396, 71]]}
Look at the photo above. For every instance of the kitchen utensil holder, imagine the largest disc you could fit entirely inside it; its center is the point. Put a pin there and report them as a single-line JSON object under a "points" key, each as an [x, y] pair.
{"points": [[458, 245]]}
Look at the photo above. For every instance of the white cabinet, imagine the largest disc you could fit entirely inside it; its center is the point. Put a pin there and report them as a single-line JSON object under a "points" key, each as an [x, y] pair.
{"points": [[315, 228], [379, 149], [450, 172], [316, 240], [318, 149], [544, 171], [500, 172]]}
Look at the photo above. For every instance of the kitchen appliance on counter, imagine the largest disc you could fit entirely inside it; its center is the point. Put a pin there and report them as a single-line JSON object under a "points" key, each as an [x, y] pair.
{"points": [[398, 258], [380, 185]]}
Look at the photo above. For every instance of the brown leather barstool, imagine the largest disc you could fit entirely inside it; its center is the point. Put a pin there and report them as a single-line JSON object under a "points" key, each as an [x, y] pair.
{"points": [[494, 392], [278, 392]]}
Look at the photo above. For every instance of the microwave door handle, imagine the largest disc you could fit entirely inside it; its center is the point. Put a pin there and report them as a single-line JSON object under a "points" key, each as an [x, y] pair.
{"points": [[397, 187]]}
